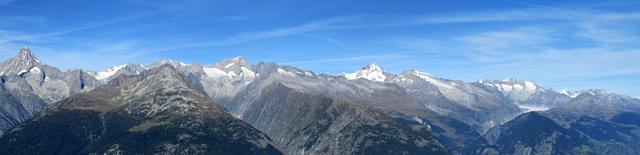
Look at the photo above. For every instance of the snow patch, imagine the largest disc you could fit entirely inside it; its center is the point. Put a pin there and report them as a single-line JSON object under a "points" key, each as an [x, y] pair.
{"points": [[22, 71], [518, 87], [351, 76], [453, 84], [566, 92], [284, 72], [529, 108], [247, 72], [229, 65], [109, 72], [417, 119], [510, 88], [35, 70], [216, 73], [427, 77], [530, 85]]}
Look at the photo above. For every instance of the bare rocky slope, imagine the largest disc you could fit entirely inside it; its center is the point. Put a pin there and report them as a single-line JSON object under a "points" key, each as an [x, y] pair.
{"points": [[302, 123], [157, 112], [28, 85]]}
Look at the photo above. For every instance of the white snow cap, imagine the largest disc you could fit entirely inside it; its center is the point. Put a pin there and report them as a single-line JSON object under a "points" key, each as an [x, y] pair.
{"points": [[109, 72], [371, 72], [566, 91], [435, 81]]}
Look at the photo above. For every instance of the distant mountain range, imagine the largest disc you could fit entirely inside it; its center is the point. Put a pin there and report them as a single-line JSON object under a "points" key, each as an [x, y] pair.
{"points": [[237, 107]]}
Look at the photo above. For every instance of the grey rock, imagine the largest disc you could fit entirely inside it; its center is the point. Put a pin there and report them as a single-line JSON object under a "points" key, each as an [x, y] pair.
{"points": [[302, 123], [157, 112], [33, 84]]}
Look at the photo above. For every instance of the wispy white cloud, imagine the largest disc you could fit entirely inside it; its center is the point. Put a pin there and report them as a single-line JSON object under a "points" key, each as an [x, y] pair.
{"points": [[308, 27], [20, 36], [325, 39], [580, 48], [21, 20], [244, 37], [491, 42]]}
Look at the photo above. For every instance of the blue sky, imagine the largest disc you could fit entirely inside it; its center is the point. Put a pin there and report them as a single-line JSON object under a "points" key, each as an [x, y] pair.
{"points": [[558, 44]]}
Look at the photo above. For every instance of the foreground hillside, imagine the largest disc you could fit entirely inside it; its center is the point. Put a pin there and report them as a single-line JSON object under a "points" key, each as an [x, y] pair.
{"points": [[156, 112]]}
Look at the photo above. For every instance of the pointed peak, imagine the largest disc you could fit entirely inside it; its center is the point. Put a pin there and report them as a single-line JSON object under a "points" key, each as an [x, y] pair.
{"points": [[165, 78], [164, 61], [166, 68], [196, 67], [239, 59], [372, 66], [234, 63], [371, 72], [196, 63], [25, 52], [21, 62]]}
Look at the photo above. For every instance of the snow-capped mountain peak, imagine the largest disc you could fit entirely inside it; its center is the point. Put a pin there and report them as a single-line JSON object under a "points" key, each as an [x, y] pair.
{"points": [[230, 68], [371, 72], [25, 54], [20, 63], [566, 91], [372, 67], [233, 64], [239, 59]]}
